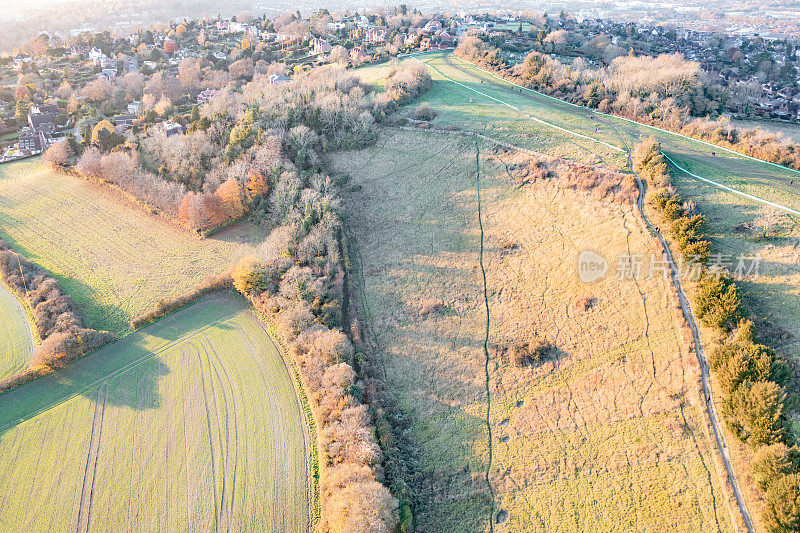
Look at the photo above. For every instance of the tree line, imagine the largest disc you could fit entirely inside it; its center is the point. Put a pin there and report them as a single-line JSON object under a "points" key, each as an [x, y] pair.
{"points": [[57, 321], [666, 91], [265, 151], [755, 380]]}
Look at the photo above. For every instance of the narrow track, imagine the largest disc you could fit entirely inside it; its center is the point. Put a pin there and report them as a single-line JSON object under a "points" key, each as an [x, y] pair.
{"points": [[90, 471], [485, 338], [701, 357]]}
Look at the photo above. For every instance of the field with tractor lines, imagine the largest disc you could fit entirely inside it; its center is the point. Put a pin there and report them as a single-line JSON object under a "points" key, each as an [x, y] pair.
{"points": [[606, 431], [115, 260], [191, 423], [16, 334]]}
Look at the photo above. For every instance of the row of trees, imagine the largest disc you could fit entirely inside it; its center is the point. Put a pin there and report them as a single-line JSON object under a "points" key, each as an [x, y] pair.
{"points": [[685, 226], [296, 279], [665, 91], [58, 323], [753, 377], [754, 142], [277, 136], [121, 168]]}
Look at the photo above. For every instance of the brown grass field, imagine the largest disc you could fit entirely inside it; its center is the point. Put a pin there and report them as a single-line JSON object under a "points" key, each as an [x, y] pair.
{"points": [[114, 259], [607, 432]]}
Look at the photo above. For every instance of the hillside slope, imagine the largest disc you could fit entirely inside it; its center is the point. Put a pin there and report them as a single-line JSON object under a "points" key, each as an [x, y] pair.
{"points": [[606, 430]]}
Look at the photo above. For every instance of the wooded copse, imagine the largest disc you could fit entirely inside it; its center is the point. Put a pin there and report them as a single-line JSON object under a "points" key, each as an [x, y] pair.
{"points": [[55, 317], [666, 91], [754, 378], [237, 145]]}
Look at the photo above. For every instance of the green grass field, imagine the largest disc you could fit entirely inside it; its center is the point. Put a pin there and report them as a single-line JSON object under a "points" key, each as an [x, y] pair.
{"points": [[113, 259], [467, 97], [16, 335], [608, 433], [191, 423]]}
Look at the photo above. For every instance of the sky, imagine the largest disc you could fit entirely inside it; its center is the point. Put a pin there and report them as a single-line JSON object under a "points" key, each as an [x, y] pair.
{"points": [[13, 8]]}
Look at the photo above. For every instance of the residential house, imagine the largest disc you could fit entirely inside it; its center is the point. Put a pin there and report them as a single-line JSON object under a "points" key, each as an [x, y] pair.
{"points": [[108, 73], [444, 37], [206, 95], [279, 79], [42, 118], [123, 123], [320, 46], [170, 128], [359, 55], [432, 26], [95, 56], [376, 35], [29, 140], [237, 27]]}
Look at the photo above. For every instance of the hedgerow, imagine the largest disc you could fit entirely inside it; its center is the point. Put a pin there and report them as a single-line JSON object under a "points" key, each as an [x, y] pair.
{"points": [[754, 378], [57, 321]]}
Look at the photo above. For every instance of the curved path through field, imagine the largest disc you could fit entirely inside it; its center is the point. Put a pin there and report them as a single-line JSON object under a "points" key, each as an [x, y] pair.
{"points": [[16, 335]]}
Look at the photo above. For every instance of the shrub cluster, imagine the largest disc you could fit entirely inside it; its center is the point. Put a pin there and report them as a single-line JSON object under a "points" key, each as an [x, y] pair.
{"points": [[406, 81], [525, 353], [754, 142], [686, 228], [424, 112], [753, 377], [57, 322], [603, 183], [754, 381]]}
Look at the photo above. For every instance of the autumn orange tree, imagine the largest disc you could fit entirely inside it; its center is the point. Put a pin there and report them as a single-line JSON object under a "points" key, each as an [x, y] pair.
{"points": [[231, 196]]}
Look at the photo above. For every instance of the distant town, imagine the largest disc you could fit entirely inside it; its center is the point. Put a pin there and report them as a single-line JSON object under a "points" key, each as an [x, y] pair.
{"points": [[58, 86]]}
